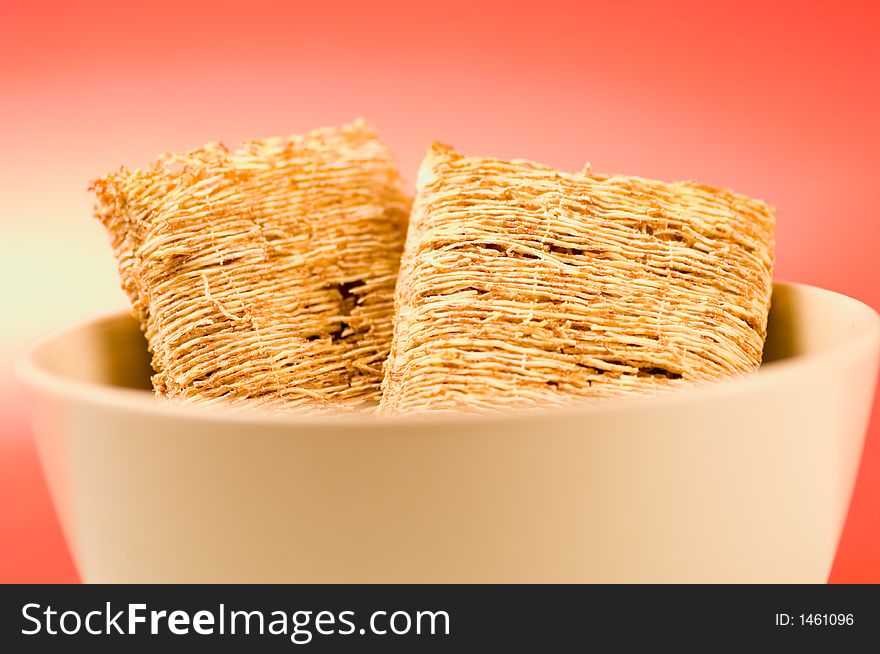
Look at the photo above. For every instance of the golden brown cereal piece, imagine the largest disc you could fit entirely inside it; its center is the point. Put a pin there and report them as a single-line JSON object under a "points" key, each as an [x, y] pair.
{"points": [[264, 275], [524, 286]]}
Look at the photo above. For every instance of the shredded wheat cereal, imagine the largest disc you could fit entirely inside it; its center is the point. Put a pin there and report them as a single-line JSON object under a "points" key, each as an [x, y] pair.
{"points": [[524, 286], [264, 275]]}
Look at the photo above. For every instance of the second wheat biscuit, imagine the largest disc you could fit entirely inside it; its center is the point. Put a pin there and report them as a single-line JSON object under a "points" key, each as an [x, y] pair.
{"points": [[525, 286]]}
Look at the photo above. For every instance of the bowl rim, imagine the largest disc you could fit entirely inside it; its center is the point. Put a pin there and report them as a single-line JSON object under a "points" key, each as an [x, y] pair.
{"points": [[36, 379]]}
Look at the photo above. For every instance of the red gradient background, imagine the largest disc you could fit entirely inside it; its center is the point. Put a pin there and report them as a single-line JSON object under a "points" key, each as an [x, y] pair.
{"points": [[775, 99]]}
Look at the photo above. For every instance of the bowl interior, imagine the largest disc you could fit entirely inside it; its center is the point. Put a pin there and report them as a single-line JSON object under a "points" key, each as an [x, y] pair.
{"points": [[112, 350]]}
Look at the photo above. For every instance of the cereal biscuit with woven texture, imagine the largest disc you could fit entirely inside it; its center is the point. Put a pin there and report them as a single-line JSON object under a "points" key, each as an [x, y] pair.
{"points": [[263, 275], [524, 286]]}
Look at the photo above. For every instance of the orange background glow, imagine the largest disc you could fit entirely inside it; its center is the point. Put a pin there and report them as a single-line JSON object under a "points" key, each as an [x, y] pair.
{"points": [[775, 99]]}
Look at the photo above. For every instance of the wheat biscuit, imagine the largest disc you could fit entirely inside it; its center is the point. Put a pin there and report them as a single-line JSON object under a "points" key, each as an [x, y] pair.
{"points": [[524, 286], [263, 275]]}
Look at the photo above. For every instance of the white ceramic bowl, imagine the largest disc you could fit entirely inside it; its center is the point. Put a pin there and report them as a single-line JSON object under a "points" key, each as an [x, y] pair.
{"points": [[744, 481]]}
